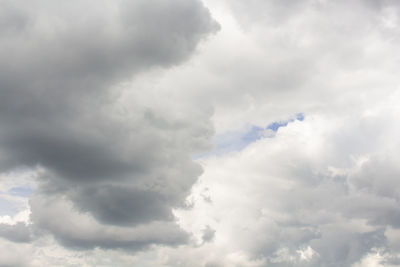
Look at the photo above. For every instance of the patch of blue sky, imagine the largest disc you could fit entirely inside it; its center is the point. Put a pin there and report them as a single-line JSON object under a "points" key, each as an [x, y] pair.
{"points": [[11, 200], [300, 117], [8, 207], [276, 125], [237, 140], [21, 191]]}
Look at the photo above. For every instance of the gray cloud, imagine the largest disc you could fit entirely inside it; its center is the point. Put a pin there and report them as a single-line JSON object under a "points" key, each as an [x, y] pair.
{"points": [[19, 232], [208, 234], [80, 230], [58, 80], [116, 205], [98, 102], [60, 72]]}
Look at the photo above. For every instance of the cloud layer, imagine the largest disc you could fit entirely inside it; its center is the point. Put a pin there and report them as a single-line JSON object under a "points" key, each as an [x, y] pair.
{"points": [[109, 111]]}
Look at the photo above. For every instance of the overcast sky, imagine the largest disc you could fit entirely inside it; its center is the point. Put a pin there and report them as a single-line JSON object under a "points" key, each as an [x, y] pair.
{"points": [[200, 133]]}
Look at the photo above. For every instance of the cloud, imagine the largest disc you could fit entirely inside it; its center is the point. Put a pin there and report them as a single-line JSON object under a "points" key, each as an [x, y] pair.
{"points": [[79, 230], [17, 233], [62, 74], [208, 234], [300, 191], [15, 254], [321, 57], [109, 108]]}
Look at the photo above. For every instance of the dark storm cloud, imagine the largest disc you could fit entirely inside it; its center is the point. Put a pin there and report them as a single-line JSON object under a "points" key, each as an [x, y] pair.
{"points": [[60, 64]]}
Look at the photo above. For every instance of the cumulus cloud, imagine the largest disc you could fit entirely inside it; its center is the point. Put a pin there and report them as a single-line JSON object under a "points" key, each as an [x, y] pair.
{"points": [[79, 230], [295, 200], [113, 107], [61, 74]]}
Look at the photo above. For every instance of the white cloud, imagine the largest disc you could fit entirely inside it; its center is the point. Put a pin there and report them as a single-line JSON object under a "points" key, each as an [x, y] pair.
{"points": [[116, 158]]}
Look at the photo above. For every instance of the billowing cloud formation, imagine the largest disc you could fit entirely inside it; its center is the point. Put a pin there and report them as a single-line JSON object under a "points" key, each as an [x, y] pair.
{"points": [[62, 66], [323, 192], [81, 231], [111, 111], [305, 197]]}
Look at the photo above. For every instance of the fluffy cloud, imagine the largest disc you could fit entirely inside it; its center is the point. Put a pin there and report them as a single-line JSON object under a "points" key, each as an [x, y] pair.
{"points": [[297, 199], [113, 109], [81, 231], [62, 74]]}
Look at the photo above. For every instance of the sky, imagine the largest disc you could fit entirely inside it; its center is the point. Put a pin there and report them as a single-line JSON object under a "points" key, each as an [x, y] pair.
{"points": [[200, 133]]}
